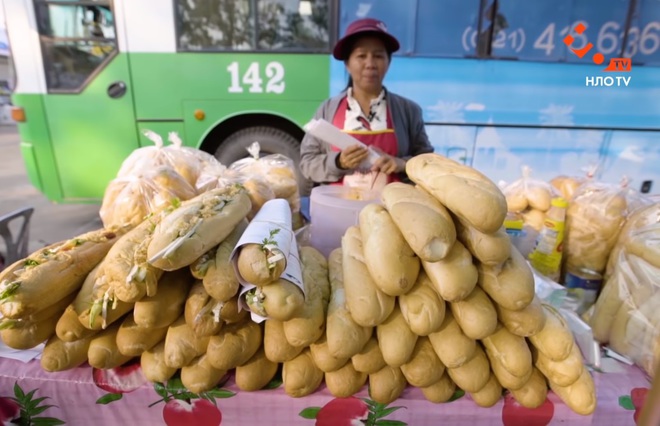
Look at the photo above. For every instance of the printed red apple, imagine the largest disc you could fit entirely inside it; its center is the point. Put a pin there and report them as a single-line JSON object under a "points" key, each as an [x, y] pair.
{"points": [[198, 412], [514, 414], [638, 397], [349, 411], [9, 410], [122, 379]]}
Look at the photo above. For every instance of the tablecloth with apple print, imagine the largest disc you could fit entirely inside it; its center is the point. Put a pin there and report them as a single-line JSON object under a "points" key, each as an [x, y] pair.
{"points": [[86, 396]]}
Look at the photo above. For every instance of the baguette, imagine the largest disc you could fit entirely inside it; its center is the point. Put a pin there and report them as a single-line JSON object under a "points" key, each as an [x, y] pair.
{"points": [[198, 225], [276, 346], [101, 302], [231, 313], [389, 259], [261, 264], [323, 359], [424, 367], [152, 362], [511, 350], [533, 393], [555, 340], [182, 345], [386, 385], [475, 314], [451, 345], [166, 306], [370, 359], [466, 192], [580, 396], [422, 307], [368, 305], [395, 339], [200, 376], [52, 273], [28, 334], [56, 309], [256, 373], [59, 355], [133, 340], [234, 345], [474, 374], [506, 379], [511, 285], [440, 391], [562, 373], [425, 224], [280, 301], [455, 276], [69, 327], [309, 326], [345, 382], [200, 267], [300, 375], [525, 322], [345, 337], [489, 249], [202, 313], [488, 395], [103, 352], [220, 280]]}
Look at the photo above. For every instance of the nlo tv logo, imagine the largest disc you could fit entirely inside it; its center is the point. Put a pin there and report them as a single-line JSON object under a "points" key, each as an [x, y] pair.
{"points": [[615, 65]]}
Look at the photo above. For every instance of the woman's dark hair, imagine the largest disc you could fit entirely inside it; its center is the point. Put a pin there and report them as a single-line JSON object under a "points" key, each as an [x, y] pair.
{"points": [[349, 48]]}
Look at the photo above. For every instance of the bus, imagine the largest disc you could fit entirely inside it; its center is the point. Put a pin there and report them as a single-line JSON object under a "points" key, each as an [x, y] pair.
{"points": [[556, 85]]}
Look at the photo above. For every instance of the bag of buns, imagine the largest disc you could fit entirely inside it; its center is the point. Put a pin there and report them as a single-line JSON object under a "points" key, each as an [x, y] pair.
{"points": [[527, 193]]}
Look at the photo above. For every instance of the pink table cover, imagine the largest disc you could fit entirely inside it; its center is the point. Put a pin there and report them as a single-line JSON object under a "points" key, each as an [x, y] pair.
{"points": [[75, 397]]}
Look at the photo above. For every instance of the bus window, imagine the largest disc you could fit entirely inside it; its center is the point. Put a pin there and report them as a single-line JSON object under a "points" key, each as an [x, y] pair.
{"points": [[447, 28], [283, 25], [76, 40], [643, 42]]}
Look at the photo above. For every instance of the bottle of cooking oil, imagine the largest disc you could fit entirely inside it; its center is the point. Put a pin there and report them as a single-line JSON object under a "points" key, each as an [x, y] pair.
{"points": [[547, 254]]}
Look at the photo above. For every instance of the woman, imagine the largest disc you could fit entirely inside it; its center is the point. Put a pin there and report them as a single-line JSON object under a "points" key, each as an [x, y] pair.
{"points": [[389, 124]]}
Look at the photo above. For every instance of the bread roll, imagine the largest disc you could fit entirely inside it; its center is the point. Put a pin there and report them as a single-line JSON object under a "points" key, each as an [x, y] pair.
{"points": [[200, 376], [566, 186], [276, 346], [386, 385], [395, 339], [220, 280], [368, 305], [256, 373], [28, 334], [453, 347], [489, 394], [152, 362], [202, 313], [200, 267], [465, 191], [98, 307], [512, 285], [533, 393], [564, 372], [69, 328], [234, 345], [606, 307], [534, 218], [167, 305], [182, 345], [506, 379], [475, 314], [424, 367], [132, 339], [425, 224], [103, 352], [261, 264], [300, 375], [59, 355], [323, 358], [370, 359], [580, 396], [511, 350], [422, 307], [281, 300], [440, 391], [455, 276], [490, 249], [230, 313], [516, 199], [555, 340], [525, 322], [345, 382], [390, 260], [344, 336], [473, 375], [195, 227]]}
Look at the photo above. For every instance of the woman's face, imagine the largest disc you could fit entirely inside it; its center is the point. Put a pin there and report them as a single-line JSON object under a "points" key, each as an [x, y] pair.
{"points": [[368, 63]]}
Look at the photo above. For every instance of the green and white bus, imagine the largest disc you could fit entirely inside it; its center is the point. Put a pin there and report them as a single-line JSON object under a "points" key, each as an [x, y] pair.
{"points": [[498, 85]]}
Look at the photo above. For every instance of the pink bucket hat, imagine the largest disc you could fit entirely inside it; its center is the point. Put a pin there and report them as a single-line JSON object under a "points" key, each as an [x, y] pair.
{"points": [[365, 26]]}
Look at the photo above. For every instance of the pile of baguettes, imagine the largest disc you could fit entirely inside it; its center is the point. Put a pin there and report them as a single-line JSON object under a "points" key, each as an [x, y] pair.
{"points": [[426, 291]]}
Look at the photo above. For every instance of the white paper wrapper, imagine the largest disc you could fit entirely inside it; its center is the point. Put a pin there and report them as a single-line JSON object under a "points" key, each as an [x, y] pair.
{"points": [[275, 214], [321, 129]]}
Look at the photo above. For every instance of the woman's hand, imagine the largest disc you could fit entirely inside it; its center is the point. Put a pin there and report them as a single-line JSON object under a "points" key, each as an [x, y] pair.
{"points": [[388, 164], [352, 157]]}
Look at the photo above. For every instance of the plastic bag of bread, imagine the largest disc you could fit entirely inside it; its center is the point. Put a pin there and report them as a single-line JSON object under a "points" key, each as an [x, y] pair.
{"points": [[527, 193], [127, 201]]}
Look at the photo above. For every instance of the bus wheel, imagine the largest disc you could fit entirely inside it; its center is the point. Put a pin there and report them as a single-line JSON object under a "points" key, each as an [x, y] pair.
{"points": [[271, 141]]}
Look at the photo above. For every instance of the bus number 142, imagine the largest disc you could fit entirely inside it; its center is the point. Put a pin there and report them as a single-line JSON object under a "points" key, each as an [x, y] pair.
{"points": [[252, 78]]}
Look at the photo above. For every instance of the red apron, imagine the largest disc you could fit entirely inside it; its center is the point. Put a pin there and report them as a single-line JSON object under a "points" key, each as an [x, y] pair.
{"points": [[383, 139]]}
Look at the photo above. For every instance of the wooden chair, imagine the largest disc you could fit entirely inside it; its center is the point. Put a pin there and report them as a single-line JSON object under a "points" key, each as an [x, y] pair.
{"points": [[16, 243]]}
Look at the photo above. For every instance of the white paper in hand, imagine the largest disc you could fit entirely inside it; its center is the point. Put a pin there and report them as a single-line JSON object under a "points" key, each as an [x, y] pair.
{"points": [[321, 129], [274, 214]]}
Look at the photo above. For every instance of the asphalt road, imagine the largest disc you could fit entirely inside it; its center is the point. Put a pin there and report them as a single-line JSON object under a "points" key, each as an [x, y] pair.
{"points": [[50, 222]]}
